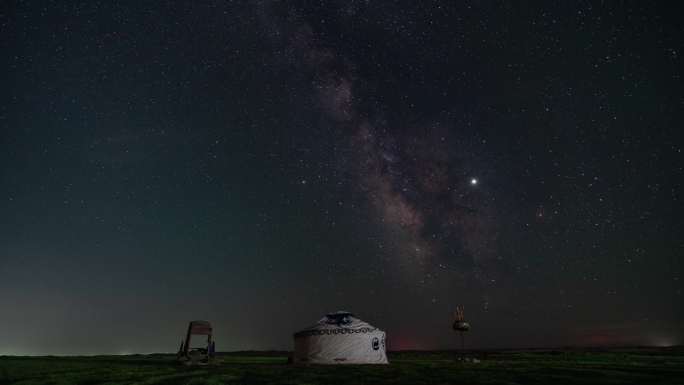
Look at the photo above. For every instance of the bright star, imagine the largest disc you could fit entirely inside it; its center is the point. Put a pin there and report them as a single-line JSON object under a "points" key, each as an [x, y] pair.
{"points": [[473, 181]]}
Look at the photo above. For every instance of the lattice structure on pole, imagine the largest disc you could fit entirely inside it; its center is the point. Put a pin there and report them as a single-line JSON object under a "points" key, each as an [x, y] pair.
{"points": [[460, 325]]}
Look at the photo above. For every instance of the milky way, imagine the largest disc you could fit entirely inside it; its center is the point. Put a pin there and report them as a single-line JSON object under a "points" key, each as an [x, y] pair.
{"points": [[413, 175]]}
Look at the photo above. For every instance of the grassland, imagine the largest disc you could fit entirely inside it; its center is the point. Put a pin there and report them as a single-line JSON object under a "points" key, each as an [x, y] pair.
{"points": [[626, 366]]}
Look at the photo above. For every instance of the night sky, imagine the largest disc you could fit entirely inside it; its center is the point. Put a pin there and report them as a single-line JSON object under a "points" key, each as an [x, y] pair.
{"points": [[259, 164]]}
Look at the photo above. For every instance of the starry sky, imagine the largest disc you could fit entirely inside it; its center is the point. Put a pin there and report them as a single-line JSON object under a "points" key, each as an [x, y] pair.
{"points": [[259, 164]]}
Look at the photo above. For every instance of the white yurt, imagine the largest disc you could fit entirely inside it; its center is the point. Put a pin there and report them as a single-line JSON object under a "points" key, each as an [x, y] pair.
{"points": [[340, 338]]}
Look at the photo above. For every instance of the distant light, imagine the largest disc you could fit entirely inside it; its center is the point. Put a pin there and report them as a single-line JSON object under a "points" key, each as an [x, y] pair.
{"points": [[662, 342], [473, 181]]}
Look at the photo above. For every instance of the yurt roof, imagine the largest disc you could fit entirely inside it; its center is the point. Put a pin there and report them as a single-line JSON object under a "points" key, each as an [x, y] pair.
{"points": [[337, 320]]}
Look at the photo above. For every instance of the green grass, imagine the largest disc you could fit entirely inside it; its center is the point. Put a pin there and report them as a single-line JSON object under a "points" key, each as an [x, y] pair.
{"points": [[635, 366]]}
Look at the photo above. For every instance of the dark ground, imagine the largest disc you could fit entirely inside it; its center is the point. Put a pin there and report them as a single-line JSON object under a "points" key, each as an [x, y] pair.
{"points": [[572, 366]]}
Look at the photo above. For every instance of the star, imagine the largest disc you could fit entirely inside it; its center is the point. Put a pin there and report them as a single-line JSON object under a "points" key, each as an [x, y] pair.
{"points": [[473, 181]]}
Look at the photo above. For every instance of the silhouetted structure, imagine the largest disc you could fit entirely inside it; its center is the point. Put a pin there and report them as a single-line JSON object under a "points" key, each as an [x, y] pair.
{"points": [[460, 325], [197, 355]]}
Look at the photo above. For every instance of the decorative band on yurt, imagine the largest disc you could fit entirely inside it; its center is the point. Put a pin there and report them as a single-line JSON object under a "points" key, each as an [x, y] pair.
{"points": [[321, 332]]}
